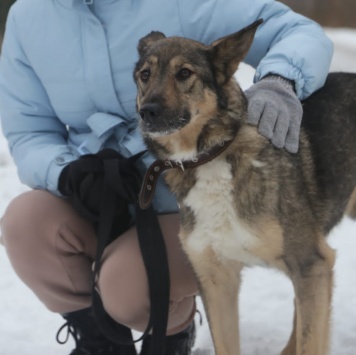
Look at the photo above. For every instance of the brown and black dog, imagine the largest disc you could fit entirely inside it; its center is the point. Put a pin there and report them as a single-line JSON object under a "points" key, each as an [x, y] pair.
{"points": [[243, 201]]}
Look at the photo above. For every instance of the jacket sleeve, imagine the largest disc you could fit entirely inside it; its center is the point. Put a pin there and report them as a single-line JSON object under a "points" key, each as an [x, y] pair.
{"points": [[287, 43], [36, 138]]}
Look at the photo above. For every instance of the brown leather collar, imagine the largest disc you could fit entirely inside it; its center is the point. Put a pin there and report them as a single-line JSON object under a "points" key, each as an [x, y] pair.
{"points": [[159, 166]]}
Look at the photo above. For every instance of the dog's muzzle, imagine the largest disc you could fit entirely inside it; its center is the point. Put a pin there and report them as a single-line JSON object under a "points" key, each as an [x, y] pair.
{"points": [[150, 112]]}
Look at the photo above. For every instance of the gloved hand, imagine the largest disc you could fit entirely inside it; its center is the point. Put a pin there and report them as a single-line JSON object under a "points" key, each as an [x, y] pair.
{"points": [[94, 180], [276, 109]]}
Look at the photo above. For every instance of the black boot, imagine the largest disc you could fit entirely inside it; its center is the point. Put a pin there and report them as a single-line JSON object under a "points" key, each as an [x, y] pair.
{"points": [[177, 344], [88, 338]]}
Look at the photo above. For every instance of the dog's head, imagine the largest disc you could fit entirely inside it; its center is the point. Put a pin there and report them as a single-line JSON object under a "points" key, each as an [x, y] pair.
{"points": [[181, 82]]}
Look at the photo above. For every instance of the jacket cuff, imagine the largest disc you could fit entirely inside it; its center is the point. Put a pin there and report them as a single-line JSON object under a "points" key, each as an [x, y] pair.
{"points": [[289, 72], [288, 84], [55, 170]]}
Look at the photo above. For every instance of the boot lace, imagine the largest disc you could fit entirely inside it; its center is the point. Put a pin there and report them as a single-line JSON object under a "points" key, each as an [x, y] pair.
{"points": [[70, 331], [83, 345]]}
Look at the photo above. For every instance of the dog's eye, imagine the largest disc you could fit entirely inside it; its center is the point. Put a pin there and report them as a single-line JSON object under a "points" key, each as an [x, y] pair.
{"points": [[184, 73], [145, 75]]}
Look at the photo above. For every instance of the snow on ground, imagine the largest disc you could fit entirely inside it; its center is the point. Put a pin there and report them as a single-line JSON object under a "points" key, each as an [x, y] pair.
{"points": [[266, 300]]}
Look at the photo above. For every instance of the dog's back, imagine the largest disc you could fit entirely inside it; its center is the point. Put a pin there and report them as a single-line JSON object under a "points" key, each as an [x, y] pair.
{"points": [[330, 124]]}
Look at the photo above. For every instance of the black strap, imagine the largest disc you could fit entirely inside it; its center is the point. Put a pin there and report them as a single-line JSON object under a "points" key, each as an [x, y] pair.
{"points": [[155, 259], [153, 253]]}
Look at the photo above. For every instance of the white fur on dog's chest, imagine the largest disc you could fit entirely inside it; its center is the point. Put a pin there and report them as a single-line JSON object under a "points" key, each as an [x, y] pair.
{"points": [[217, 224]]}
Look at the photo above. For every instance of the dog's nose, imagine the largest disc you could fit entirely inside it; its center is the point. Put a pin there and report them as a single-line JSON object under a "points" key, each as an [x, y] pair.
{"points": [[149, 111]]}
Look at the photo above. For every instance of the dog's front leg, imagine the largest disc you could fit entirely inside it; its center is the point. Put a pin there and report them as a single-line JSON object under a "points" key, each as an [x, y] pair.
{"points": [[313, 284], [219, 282]]}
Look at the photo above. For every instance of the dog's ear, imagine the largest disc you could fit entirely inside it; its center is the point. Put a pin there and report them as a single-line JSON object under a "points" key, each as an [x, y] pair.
{"points": [[229, 51], [146, 41]]}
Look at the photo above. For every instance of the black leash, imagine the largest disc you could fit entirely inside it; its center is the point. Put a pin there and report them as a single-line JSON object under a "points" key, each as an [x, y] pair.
{"points": [[149, 235], [123, 182]]}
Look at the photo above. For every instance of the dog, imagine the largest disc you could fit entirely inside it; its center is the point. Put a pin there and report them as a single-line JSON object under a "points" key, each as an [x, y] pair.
{"points": [[242, 201]]}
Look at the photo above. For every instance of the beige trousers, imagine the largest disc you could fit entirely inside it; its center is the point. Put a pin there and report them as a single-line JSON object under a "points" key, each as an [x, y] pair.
{"points": [[52, 249]]}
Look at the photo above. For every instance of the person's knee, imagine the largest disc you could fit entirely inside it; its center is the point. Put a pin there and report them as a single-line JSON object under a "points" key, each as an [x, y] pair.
{"points": [[123, 284], [124, 290], [124, 299], [17, 219], [28, 221], [125, 296]]}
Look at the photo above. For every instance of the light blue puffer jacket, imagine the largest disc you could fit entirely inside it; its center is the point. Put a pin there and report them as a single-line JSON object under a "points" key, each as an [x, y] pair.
{"points": [[66, 85]]}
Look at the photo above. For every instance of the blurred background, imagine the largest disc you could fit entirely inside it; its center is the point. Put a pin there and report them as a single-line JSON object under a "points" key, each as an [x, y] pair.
{"points": [[4, 9], [329, 13]]}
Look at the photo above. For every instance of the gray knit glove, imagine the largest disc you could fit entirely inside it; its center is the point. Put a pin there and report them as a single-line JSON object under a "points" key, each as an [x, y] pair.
{"points": [[276, 109]]}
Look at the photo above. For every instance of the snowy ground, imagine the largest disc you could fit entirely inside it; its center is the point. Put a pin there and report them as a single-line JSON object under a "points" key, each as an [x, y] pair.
{"points": [[26, 328]]}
